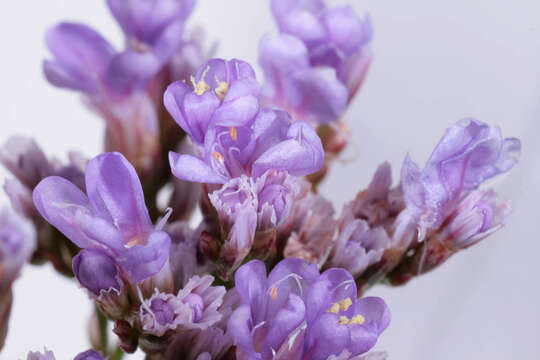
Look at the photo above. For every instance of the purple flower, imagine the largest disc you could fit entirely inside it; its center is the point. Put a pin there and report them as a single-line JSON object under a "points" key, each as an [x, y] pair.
{"points": [[17, 243], [312, 229], [478, 215], [272, 142], [469, 153], [314, 68], [297, 313], [208, 344], [195, 307], [81, 57], [89, 355], [312, 94], [358, 246], [154, 33], [249, 211], [223, 93], [24, 158], [97, 272], [46, 355], [113, 217], [379, 204]]}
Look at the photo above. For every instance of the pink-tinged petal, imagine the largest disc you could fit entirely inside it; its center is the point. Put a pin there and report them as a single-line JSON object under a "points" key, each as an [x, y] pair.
{"points": [[191, 168], [67, 208], [116, 195]]}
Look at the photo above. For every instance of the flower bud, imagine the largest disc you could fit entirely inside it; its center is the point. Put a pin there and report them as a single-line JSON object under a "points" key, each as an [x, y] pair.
{"points": [[98, 273]]}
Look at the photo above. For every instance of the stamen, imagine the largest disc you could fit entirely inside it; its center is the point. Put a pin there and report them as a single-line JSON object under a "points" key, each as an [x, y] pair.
{"points": [[163, 220], [222, 89], [345, 304], [357, 320], [343, 320], [132, 243], [200, 87], [218, 156], [273, 293], [234, 134], [339, 306], [334, 308]]}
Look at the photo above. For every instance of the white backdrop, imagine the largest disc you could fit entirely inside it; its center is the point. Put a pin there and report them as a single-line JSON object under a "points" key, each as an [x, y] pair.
{"points": [[434, 63]]}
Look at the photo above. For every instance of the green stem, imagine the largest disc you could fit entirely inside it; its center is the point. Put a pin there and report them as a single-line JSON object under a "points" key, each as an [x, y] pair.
{"points": [[117, 355]]}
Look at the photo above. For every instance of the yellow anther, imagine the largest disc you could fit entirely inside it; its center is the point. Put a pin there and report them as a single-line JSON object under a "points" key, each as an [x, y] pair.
{"points": [[218, 156], [222, 89], [357, 319], [200, 87], [345, 304], [132, 243], [342, 305], [334, 308], [234, 134], [273, 293]]}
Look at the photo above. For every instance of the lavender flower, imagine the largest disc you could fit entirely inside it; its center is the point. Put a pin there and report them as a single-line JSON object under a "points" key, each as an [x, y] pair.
{"points": [[223, 93], [17, 242], [314, 68], [100, 275], [153, 31], [358, 247], [469, 153], [477, 216], [378, 205], [311, 229], [89, 355], [46, 355], [123, 86], [112, 218], [195, 307], [297, 313], [208, 344], [272, 142]]}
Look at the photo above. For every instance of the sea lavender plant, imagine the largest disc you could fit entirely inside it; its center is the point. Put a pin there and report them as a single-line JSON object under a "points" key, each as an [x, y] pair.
{"points": [[270, 271]]}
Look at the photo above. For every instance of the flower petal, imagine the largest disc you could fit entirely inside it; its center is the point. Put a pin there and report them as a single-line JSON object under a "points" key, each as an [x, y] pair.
{"points": [[116, 194]]}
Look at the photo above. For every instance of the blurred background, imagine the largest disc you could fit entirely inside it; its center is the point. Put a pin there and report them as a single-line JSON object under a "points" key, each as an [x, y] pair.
{"points": [[435, 62]]}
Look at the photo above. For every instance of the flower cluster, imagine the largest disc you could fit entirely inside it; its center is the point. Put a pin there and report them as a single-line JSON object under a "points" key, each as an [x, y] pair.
{"points": [[297, 313], [269, 270]]}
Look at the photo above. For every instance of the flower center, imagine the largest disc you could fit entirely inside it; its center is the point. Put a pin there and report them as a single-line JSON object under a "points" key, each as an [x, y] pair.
{"points": [[201, 86], [196, 304], [339, 306], [222, 89]]}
